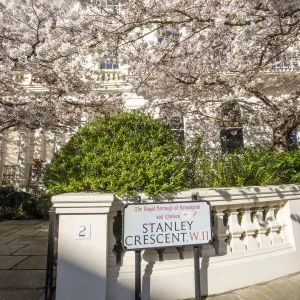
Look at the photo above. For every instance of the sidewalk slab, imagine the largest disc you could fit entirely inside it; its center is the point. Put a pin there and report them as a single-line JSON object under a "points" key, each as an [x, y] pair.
{"points": [[285, 289], [22, 279], [22, 222], [251, 294], [27, 294], [44, 233], [27, 232], [7, 262], [7, 227], [29, 240], [32, 250], [32, 263], [7, 239], [9, 249], [5, 232]]}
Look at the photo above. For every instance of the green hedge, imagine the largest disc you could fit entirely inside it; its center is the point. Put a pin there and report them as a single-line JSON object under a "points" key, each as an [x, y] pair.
{"points": [[16, 204], [126, 154], [245, 167]]}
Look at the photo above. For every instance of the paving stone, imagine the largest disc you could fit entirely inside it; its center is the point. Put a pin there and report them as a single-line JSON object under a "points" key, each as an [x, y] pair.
{"points": [[27, 232], [23, 222], [32, 250], [22, 279], [43, 233], [225, 297], [295, 278], [26, 294], [30, 227], [284, 289], [251, 294], [32, 263], [6, 239], [9, 249], [5, 232], [28, 240], [7, 262], [7, 227]]}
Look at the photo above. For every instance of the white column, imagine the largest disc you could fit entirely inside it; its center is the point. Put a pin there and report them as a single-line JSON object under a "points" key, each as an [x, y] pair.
{"points": [[22, 164], [82, 245]]}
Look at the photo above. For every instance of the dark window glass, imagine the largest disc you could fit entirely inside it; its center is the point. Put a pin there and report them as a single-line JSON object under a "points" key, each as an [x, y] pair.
{"points": [[231, 139]]}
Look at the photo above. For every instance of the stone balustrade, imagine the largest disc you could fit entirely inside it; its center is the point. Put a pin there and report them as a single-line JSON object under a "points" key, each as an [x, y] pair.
{"points": [[256, 234]]}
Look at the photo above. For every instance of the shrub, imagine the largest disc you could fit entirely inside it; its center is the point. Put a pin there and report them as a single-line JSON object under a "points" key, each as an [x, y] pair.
{"points": [[126, 154], [10, 201], [37, 206], [15, 204], [244, 167]]}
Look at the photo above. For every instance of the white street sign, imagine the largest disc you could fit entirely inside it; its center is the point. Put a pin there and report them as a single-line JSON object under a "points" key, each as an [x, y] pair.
{"points": [[165, 224]]}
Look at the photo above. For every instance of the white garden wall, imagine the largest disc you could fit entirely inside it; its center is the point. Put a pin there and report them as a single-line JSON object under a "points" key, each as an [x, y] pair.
{"points": [[257, 239]]}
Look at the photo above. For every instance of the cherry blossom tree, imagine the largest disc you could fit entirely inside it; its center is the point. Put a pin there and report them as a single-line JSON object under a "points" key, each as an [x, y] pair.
{"points": [[208, 52], [46, 79]]}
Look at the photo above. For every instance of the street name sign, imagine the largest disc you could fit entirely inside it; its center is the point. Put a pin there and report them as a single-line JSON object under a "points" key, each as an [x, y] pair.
{"points": [[166, 224]]}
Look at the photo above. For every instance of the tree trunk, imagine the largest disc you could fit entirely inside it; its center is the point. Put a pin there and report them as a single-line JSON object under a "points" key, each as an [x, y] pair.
{"points": [[281, 138]]}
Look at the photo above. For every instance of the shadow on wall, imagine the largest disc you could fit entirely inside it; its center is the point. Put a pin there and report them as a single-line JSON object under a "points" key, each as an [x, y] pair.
{"points": [[163, 270], [84, 283]]}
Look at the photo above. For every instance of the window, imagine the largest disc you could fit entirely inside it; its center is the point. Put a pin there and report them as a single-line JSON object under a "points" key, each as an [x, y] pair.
{"points": [[171, 35], [231, 139], [113, 6], [231, 130], [109, 62], [106, 64], [169, 115]]}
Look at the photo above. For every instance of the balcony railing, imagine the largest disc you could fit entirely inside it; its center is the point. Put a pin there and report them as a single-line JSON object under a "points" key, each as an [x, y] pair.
{"points": [[288, 63], [36, 173], [9, 174]]}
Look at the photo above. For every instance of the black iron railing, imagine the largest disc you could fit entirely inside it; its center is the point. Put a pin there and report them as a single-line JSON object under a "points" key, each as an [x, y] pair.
{"points": [[50, 285]]}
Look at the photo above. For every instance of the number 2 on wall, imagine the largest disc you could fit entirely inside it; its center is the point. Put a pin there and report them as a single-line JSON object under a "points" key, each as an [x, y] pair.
{"points": [[82, 230]]}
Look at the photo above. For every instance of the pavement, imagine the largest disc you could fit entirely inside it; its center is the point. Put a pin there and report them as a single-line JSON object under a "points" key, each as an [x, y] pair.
{"points": [[286, 288], [23, 250]]}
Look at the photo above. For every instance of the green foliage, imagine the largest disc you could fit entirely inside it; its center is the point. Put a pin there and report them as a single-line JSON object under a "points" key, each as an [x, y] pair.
{"points": [[244, 167], [16, 204], [37, 206], [125, 154]]}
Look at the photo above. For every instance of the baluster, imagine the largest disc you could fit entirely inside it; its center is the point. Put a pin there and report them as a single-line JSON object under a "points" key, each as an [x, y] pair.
{"points": [[150, 256], [263, 228], [161, 252], [111, 241], [251, 229], [275, 227], [281, 219], [171, 254], [117, 232], [181, 252], [187, 252], [236, 232], [220, 231]]}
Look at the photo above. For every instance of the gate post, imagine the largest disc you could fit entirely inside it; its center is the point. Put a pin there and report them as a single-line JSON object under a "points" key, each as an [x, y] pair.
{"points": [[82, 245]]}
